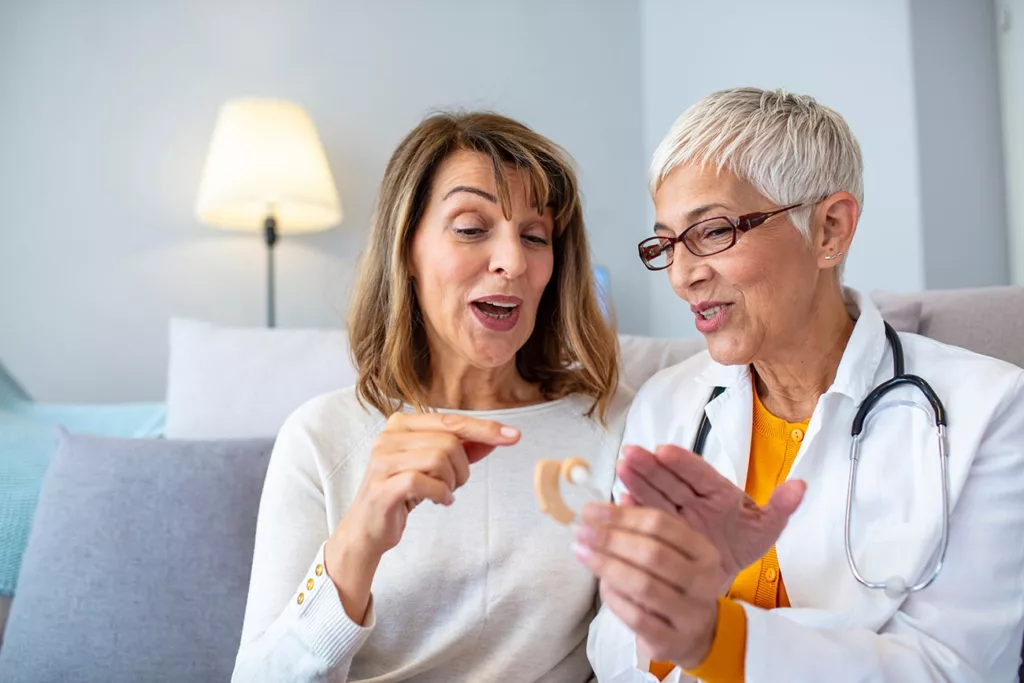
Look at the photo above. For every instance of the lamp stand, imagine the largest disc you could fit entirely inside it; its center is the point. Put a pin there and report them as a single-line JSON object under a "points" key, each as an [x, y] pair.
{"points": [[270, 233]]}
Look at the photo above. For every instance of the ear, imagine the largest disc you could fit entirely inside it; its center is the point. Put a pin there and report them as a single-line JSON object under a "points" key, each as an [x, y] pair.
{"points": [[839, 214]]}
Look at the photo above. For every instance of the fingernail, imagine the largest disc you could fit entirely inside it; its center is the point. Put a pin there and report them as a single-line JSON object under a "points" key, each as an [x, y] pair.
{"points": [[582, 552], [450, 499], [585, 534], [509, 432]]}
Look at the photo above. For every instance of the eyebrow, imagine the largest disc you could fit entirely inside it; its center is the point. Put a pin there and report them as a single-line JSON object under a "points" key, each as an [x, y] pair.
{"points": [[692, 216], [471, 190]]}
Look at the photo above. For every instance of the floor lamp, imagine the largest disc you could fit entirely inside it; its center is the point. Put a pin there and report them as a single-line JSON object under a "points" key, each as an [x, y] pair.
{"points": [[266, 170]]}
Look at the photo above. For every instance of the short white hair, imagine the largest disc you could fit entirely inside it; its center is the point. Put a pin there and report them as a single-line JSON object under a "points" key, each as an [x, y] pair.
{"points": [[789, 147]]}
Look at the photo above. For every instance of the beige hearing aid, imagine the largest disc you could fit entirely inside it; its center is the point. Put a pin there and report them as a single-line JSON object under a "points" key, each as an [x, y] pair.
{"points": [[546, 476]]}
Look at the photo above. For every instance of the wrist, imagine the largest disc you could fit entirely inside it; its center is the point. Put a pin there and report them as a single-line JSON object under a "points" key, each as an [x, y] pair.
{"points": [[351, 566], [703, 640], [345, 555]]}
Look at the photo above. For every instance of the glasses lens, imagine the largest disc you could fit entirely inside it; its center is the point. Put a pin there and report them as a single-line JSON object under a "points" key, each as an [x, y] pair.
{"points": [[710, 237], [656, 252]]}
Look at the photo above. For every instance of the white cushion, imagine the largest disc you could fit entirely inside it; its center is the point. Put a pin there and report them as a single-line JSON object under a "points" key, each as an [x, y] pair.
{"points": [[240, 382]]}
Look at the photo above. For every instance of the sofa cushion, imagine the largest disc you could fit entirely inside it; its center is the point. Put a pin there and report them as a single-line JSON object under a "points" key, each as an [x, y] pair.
{"points": [[986, 320], [241, 382], [904, 316], [138, 562]]}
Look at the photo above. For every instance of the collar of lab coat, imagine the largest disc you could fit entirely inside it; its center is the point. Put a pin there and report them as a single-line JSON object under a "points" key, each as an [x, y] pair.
{"points": [[855, 378]]}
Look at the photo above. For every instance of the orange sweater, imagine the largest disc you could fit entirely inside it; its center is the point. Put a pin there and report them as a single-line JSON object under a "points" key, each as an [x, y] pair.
{"points": [[774, 444]]}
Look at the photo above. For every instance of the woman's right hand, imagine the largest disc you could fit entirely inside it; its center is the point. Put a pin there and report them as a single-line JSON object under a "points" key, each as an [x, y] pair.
{"points": [[682, 483], [421, 456]]}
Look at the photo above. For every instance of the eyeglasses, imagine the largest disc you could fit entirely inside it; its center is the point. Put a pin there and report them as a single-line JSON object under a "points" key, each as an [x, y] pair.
{"points": [[705, 238]]}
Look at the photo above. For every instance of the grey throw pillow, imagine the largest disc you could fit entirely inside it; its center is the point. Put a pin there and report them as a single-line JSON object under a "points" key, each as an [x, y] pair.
{"points": [[137, 567], [903, 314]]}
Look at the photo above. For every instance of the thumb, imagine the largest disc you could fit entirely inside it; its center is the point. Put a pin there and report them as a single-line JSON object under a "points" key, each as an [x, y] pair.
{"points": [[786, 499]]}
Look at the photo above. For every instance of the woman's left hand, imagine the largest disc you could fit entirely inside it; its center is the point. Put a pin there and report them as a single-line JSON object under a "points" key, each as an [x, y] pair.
{"points": [[658, 575]]}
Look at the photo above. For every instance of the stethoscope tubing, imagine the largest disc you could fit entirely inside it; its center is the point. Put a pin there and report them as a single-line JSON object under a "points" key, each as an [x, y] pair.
{"points": [[894, 586]]}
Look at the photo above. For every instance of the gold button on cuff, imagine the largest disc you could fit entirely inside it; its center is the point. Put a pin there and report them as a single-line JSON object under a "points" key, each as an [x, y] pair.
{"points": [[302, 596], [771, 574], [319, 570], [309, 585]]}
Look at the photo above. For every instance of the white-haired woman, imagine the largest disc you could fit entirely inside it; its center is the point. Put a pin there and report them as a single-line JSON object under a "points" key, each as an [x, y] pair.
{"points": [[705, 568]]}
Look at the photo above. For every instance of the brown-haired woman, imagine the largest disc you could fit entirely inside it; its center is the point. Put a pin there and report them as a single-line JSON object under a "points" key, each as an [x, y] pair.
{"points": [[481, 349]]}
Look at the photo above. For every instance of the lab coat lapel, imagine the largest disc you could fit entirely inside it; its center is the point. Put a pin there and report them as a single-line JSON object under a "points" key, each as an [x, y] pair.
{"points": [[731, 416], [812, 545]]}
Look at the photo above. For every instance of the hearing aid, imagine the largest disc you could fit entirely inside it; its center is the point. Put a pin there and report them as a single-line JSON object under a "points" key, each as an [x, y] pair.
{"points": [[548, 478]]}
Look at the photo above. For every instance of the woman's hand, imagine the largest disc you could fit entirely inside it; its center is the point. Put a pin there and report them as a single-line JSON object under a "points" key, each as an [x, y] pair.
{"points": [[418, 457], [658, 575], [683, 484]]}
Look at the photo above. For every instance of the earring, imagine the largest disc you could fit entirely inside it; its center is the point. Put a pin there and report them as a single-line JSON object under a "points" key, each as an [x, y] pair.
{"points": [[833, 256]]}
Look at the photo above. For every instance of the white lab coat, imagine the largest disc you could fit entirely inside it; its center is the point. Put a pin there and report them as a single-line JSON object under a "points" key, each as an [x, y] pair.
{"points": [[967, 625]]}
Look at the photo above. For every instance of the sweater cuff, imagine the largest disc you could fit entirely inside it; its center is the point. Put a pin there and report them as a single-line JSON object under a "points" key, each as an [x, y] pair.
{"points": [[725, 660], [322, 621]]}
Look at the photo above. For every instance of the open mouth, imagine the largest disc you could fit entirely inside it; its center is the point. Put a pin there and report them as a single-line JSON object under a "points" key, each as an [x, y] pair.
{"points": [[710, 315], [711, 312], [496, 310]]}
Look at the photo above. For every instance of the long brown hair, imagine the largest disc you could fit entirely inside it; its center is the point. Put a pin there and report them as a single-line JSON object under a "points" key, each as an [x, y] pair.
{"points": [[572, 348]]}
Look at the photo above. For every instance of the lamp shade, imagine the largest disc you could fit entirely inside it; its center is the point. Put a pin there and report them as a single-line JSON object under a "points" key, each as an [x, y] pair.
{"points": [[265, 158]]}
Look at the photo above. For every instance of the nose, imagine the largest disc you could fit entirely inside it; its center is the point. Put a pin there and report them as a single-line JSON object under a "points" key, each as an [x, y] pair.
{"points": [[688, 271], [508, 257]]}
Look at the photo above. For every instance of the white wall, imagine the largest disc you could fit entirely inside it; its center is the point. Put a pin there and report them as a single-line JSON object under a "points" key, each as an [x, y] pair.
{"points": [[1010, 15], [108, 107], [852, 55], [960, 142]]}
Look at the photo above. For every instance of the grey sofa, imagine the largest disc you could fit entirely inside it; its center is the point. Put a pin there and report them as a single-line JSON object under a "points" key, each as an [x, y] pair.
{"points": [[138, 562]]}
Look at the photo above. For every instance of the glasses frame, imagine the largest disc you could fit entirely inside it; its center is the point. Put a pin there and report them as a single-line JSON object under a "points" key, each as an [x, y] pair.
{"points": [[740, 224]]}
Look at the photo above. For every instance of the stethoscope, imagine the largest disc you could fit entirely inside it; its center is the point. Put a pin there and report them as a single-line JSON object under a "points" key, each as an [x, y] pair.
{"points": [[895, 586]]}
